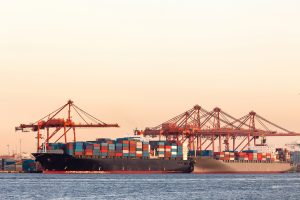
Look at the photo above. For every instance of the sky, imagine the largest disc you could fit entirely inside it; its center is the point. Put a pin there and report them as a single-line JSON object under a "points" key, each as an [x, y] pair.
{"points": [[139, 63]]}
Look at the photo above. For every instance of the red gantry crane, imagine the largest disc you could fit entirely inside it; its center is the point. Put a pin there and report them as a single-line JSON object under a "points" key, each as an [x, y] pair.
{"points": [[62, 126], [205, 130]]}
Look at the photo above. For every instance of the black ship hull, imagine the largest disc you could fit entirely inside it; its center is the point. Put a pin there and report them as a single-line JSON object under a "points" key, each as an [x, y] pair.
{"points": [[51, 162]]}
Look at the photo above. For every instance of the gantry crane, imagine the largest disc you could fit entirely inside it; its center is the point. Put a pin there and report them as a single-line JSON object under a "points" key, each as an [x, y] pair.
{"points": [[201, 128], [51, 121]]}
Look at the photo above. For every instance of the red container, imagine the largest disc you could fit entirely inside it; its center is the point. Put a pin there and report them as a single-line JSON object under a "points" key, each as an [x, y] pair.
{"points": [[119, 154], [138, 155], [145, 147], [111, 153], [104, 148], [259, 156], [132, 145], [132, 148], [88, 152], [78, 153], [167, 154], [250, 156]]}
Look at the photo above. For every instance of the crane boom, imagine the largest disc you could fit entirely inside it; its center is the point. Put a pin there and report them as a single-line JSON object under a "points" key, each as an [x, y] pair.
{"points": [[51, 121]]}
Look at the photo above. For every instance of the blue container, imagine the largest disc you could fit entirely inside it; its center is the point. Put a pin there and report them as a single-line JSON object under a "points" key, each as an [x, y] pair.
{"points": [[119, 147], [250, 151], [9, 162], [28, 165], [206, 153], [78, 145], [145, 154], [69, 152]]}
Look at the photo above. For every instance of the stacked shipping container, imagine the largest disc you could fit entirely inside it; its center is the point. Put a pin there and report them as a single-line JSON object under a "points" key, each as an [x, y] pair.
{"points": [[121, 147], [249, 155], [161, 149], [245, 156], [164, 149], [78, 148], [283, 154], [7, 164]]}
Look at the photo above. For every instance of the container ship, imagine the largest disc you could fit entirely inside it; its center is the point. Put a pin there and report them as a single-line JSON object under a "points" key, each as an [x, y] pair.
{"points": [[250, 161], [123, 155]]}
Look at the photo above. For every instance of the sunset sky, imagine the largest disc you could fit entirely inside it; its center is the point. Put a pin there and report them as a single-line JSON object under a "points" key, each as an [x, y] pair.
{"points": [[139, 63]]}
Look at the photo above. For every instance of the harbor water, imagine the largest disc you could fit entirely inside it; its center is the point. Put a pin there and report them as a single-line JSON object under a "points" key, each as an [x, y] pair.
{"points": [[146, 186]]}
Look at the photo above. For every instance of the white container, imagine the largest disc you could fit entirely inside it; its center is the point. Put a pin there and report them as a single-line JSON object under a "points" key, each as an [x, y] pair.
{"points": [[161, 149]]}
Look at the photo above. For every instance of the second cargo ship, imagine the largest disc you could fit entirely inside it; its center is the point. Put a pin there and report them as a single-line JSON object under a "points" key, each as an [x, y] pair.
{"points": [[249, 161]]}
